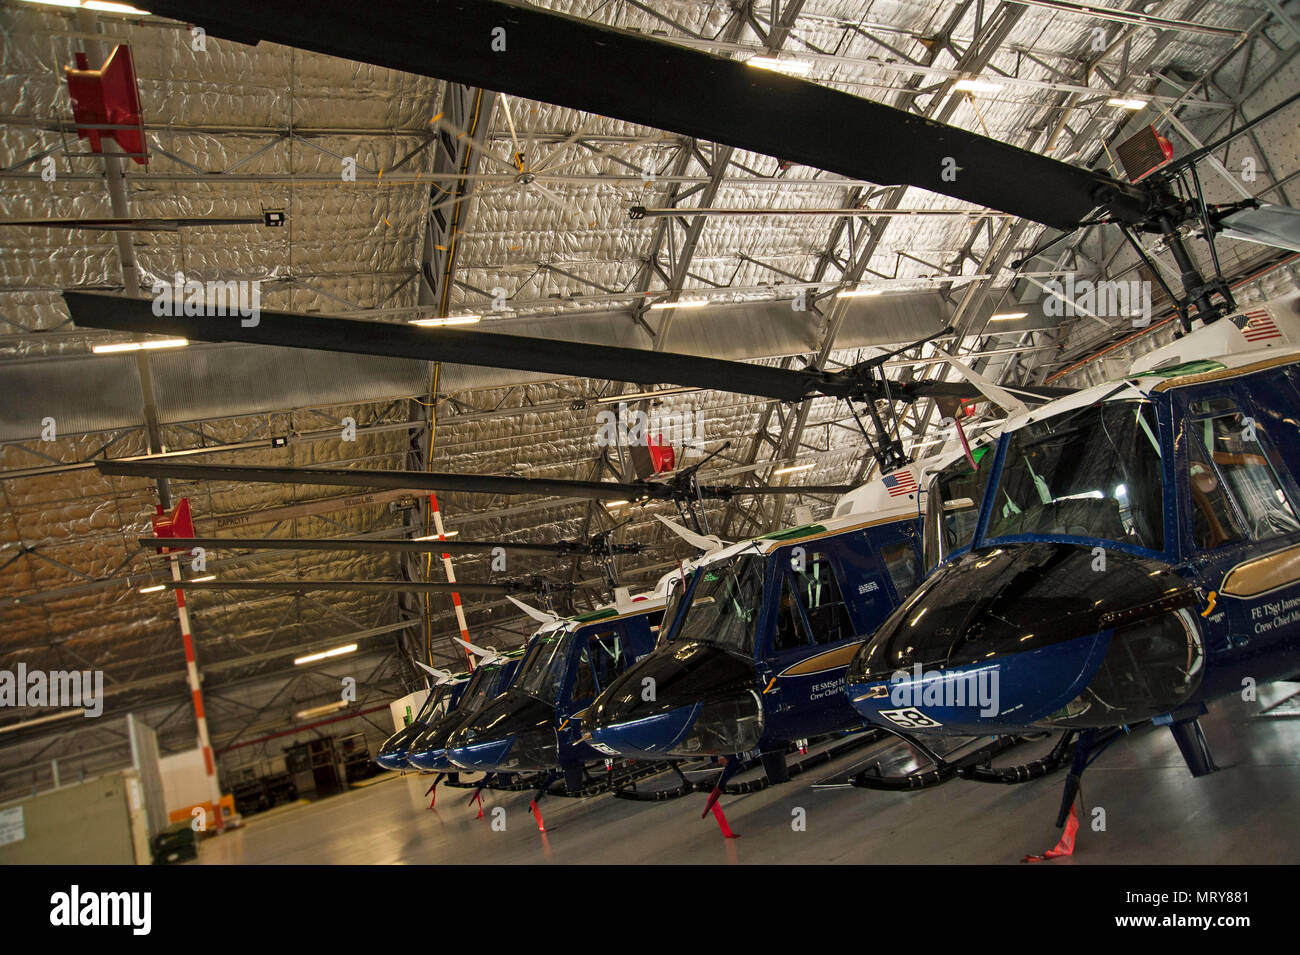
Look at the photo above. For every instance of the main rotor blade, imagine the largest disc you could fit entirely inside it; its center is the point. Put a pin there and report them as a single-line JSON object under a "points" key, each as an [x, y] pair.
{"points": [[454, 345], [374, 586], [519, 50], [376, 546], [434, 481]]}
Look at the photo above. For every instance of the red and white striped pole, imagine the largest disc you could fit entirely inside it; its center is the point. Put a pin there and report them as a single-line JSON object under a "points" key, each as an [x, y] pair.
{"points": [[178, 523], [196, 693], [451, 575]]}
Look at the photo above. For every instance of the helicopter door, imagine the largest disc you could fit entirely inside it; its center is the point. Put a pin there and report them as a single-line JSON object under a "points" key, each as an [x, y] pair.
{"points": [[1243, 527], [602, 657]]}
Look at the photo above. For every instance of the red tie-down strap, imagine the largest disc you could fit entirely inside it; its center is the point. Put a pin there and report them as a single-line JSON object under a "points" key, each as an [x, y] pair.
{"points": [[537, 814], [1066, 846]]}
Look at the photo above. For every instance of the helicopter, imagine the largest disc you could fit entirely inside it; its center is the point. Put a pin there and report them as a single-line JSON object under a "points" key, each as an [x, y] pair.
{"points": [[446, 692], [1134, 553], [756, 639], [428, 751], [536, 725]]}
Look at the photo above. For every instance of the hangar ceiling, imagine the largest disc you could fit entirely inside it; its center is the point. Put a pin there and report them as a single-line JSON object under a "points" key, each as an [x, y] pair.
{"points": [[406, 197]]}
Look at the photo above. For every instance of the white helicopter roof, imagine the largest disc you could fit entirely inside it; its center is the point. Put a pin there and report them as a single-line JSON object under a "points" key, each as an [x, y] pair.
{"points": [[1271, 330]]}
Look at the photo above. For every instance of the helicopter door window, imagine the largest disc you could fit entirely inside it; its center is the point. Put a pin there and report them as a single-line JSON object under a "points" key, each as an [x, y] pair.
{"points": [[790, 628], [584, 681], [1215, 521], [600, 661], [828, 616], [1247, 474], [904, 569]]}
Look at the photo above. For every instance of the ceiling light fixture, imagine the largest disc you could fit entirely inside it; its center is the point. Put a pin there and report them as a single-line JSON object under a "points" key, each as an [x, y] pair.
{"points": [[780, 65], [140, 346], [858, 292], [683, 303], [434, 537], [976, 86], [199, 580], [325, 654], [1123, 103], [793, 468], [320, 710], [152, 589], [1007, 316], [446, 320], [104, 6]]}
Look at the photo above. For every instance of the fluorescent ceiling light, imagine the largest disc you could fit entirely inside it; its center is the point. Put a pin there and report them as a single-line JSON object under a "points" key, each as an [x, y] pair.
{"points": [[107, 7], [152, 589], [683, 303], [139, 346], [434, 537], [616, 503], [1007, 316], [57, 3], [794, 467], [325, 654], [320, 710], [780, 65], [446, 320], [1127, 103], [199, 580], [976, 86], [63, 715], [857, 292]]}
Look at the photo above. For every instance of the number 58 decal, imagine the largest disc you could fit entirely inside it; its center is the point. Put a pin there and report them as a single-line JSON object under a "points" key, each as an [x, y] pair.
{"points": [[908, 718]]}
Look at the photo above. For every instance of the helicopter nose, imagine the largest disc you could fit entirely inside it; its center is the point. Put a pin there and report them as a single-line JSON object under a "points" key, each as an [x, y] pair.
{"points": [[428, 751], [1036, 634], [393, 754], [513, 732], [687, 699]]}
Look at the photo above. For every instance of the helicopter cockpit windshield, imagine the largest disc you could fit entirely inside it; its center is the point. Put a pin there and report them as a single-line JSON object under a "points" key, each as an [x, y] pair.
{"points": [[953, 505], [542, 673], [723, 607], [1092, 473]]}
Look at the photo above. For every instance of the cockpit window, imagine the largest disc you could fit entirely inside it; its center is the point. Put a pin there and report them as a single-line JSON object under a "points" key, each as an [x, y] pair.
{"points": [[437, 704], [543, 670], [1092, 473], [953, 505], [677, 590], [828, 615], [723, 608], [1235, 492], [482, 687]]}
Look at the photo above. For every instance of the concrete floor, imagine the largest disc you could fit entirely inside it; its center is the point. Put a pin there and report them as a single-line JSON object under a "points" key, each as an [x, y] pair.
{"points": [[1155, 812]]}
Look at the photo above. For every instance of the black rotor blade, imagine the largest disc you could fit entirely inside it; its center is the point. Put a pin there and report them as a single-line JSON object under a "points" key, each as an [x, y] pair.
{"points": [[378, 545], [547, 56], [517, 352], [434, 481], [452, 345], [372, 586]]}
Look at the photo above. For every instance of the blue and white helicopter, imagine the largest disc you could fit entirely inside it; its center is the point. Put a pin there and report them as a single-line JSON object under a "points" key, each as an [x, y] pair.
{"points": [[441, 699], [1126, 554]]}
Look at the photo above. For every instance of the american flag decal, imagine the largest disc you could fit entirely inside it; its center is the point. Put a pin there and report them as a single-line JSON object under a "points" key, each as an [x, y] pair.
{"points": [[1260, 326], [900, 482]]}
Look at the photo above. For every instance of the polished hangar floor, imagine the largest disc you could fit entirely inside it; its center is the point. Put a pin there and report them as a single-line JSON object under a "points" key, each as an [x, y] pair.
{"points": [[1155, 813]]}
